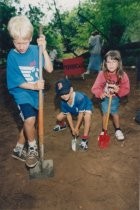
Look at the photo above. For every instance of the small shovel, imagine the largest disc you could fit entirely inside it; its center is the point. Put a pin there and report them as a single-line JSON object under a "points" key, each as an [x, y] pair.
{"points": [[104, 140], [74, 144], [44, 168]]}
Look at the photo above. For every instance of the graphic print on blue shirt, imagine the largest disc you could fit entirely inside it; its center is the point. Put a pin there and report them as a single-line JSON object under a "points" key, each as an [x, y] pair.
{"points": [[30, 73], [23, 68]]}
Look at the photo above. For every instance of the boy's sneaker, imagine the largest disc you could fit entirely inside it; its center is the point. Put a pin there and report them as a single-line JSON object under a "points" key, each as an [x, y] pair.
{"points": [[18, 154], [83, 146], [119, 135], [32, 157], [87, 72], [59, 127]]}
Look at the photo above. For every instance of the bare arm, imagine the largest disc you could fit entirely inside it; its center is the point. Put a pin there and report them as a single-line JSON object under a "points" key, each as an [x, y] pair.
{"points": [[79, 120], [75, 130], [70, 121], [38, 85], [98, 86], [47, 62]]}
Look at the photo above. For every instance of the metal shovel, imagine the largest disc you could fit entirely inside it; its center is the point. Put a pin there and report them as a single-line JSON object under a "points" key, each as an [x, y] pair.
{"points": [[44, 168], [75, 144]]}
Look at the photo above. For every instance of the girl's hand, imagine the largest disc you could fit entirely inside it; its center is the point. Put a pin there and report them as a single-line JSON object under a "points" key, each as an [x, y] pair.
{"points": [[41, 41], [103, 95], [116, 88]]}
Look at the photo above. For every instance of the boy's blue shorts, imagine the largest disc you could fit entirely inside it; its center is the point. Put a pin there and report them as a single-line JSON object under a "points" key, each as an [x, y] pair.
{"points": [[26, 111], [114, 105]]}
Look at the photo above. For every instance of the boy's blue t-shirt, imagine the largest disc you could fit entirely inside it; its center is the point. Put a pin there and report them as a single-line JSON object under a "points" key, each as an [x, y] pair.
{"points": [[81, 103], [23, 68]]}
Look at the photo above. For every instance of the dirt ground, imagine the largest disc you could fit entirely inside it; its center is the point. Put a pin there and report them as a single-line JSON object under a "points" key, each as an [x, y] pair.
{"points": [[93, 180]]}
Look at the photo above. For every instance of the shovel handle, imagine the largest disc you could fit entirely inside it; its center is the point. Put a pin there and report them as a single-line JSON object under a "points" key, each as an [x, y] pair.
{"points": [[41, 101], [108, 112], [40, 54], [40, 30]]}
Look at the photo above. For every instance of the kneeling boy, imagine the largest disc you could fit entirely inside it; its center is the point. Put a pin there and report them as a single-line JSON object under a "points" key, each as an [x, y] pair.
{"points": [[73, 103]]}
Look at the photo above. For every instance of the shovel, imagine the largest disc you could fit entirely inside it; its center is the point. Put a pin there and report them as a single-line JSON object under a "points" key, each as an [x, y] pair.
{"points": [[104, 140], [44, 168], [75, 144]]}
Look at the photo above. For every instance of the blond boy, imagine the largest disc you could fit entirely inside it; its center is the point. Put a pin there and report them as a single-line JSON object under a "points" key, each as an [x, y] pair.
{"points": [[24, 84]]}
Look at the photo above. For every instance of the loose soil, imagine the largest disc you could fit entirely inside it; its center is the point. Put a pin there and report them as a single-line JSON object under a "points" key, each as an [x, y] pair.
{"points": [[93, 180]]}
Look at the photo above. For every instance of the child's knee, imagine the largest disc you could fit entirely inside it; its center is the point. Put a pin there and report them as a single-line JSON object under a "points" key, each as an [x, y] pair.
{"points": [[30, 121], [60, 116], [87, 115]]}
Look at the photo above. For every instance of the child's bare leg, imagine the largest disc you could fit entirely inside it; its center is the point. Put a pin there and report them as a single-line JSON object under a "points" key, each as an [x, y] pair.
{"points": [[118, 133], [87, 123], [60, 124], [60, 117], [21, 137], [18, 150], [30, 131], [29, 127], [116, 120]]}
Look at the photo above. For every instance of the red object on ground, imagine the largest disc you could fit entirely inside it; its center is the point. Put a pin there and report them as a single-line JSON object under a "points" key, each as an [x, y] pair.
{"points": [[104, 140], [74, 66]]}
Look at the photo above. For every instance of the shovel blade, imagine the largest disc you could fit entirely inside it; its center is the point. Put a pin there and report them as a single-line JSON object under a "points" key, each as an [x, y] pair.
{"points": [[75, 144], [43, 169], [104, 140]]}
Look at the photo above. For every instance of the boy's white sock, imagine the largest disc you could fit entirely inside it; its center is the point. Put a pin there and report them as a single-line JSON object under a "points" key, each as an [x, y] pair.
{"points": [[18, 145], [32, 143], [19, 148]]}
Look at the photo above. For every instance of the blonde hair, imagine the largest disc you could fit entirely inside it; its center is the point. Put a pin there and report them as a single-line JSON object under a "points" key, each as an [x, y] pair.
{"points": [[20, 27]]}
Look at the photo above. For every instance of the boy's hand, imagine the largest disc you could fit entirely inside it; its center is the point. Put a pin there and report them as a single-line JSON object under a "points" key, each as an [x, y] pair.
{"points": [[75, 131], [41, 41], [39, 85]]}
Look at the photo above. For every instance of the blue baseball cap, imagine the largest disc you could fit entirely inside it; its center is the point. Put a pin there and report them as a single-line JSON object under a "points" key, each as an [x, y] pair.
{"points": [[62, 87]]}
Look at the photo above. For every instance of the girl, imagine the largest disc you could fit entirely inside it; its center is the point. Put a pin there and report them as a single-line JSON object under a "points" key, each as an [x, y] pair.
{"points": [[111, 80]]}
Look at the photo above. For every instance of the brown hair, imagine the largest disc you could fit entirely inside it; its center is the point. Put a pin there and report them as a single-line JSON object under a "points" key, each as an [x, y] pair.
{"points": [[114, 55]]}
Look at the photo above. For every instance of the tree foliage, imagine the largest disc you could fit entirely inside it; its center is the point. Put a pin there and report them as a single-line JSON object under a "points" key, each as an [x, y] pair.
{"points": [[116, 20], [6, 12]]}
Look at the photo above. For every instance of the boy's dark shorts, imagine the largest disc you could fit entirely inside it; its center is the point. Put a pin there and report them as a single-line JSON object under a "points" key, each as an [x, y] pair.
{"points": [[26, 111], [22, 112]]}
